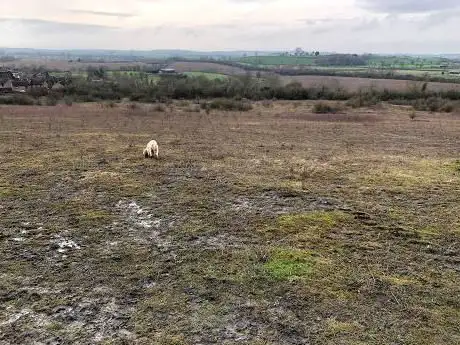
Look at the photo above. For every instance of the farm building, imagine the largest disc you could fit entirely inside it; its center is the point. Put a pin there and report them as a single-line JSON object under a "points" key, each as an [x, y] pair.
{"points": [[41, 80], [6, 81], [20, 85], [167, 71]]}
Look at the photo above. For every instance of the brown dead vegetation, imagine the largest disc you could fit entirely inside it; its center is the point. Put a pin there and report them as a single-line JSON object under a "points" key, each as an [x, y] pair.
{"points": [[272, 226]]}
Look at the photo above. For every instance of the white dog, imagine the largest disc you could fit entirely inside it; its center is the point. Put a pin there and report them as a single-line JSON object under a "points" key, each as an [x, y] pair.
{"points": [[151, 150]]}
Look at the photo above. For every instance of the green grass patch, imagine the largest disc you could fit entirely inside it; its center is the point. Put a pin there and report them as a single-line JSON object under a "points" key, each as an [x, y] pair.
{"points": [[94, 217], [290, 265], [6, 192], [208, 75], [279, 60], [456, 165], [429, 232], [335, 327], [315, 222]]}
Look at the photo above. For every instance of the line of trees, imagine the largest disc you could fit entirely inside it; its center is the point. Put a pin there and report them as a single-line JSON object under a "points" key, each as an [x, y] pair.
{"points": [[143, 89]]}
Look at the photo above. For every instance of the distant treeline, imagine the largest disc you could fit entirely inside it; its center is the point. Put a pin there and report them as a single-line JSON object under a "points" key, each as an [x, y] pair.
{"points": [[142, 89]]}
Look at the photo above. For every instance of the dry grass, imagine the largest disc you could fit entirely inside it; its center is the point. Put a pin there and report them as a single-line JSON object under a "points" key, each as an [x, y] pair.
{"points": [[277, 226]]}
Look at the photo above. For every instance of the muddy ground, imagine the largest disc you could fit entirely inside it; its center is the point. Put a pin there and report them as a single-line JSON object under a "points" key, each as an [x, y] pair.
{"points": [[275, 226]]}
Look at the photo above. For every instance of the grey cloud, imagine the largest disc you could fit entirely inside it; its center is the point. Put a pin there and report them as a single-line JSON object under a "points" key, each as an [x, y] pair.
{"points": [[50, 27], [315, 22], [439, 18], [390, 33], [365, 25], [253, 1], [106, 14], [408, 6]]}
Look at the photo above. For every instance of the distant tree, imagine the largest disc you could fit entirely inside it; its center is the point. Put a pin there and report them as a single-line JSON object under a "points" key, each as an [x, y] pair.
{"points": [[317, 53], [298, 52], [96, 72]]}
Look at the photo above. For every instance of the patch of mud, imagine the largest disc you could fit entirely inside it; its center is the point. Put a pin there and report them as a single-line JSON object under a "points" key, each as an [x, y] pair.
{"points": [[140, 224], [98, 320], [281, 202], [219, 241], [63, 245], [138, 216]]}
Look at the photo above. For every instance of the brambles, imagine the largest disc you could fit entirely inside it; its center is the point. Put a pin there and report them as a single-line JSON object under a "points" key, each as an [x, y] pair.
{"points": [[227, 105], [435, 104], [325, 108]]}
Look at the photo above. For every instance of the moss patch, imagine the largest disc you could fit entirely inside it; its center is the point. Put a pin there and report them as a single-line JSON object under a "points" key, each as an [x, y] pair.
{"points": [[94, 217], [316, 222], [335, 327], [456, 165], [290, 265], [399, 280]]}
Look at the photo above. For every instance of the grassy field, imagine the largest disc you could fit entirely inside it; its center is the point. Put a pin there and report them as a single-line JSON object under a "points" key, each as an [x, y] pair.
{"points": [[275, 226], [400, 65], [208, 67], [401, 62], [431, 73], [65, 65], [206, 74], [346, 82], [355, 84], [279, 60], [135, 74]]}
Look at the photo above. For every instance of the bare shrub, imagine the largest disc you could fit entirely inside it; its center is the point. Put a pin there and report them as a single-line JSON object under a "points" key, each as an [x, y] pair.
{"points": [[228, 105], [193, 109], [183, 103], [68, 101], [267, 103], [159, 108], [325, 108]]}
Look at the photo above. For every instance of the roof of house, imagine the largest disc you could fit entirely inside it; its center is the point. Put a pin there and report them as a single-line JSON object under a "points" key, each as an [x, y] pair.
{"points": [[37, 81], [5, 76], [22, 82]]}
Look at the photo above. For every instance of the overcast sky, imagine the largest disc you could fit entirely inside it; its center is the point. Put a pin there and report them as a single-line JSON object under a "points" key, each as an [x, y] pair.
{"points": [[390, 26]]}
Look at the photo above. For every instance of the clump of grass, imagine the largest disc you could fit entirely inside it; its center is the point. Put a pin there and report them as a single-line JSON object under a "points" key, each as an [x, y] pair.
{"points": [[133, 106], [448, 107], [193, 109], [335, 327], [159, 108], [325, 108], [17, 100], [288, 264], [94, 217], [309, 225], [412, 115], [183, 103], [322, 218], [434, 104], [68, 101], [51, 101], [364, 99], [109, 104], [228, 105], [267, 103]]}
